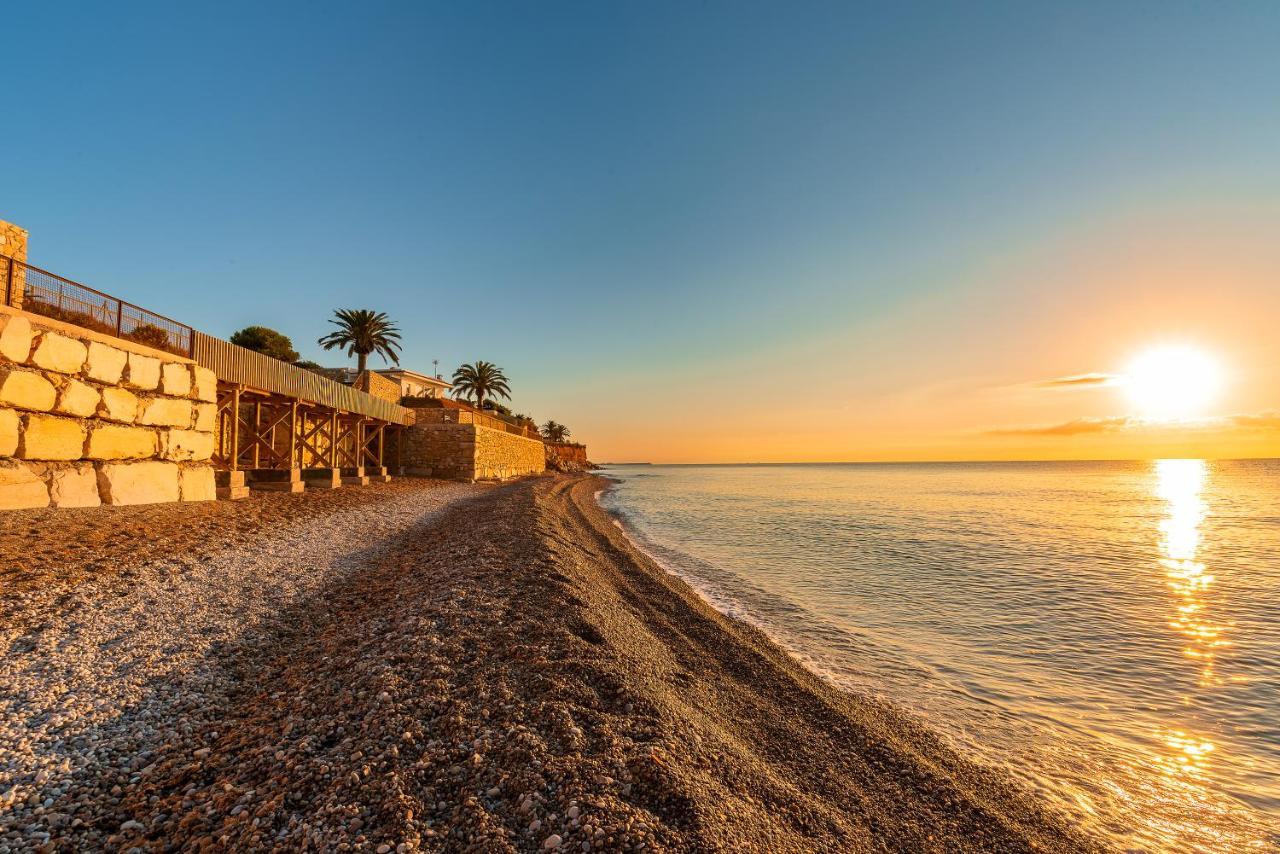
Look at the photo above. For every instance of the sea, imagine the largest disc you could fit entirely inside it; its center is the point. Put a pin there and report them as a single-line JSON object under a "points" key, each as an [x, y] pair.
{"points": [[1107, 633]]}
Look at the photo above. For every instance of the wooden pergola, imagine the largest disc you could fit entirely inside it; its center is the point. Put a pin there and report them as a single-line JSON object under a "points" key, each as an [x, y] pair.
{"points": [[281, 427]]}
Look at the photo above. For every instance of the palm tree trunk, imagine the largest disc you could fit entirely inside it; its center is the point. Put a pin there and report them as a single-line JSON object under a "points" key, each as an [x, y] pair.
{"points": [[480, 401], [362, 361]]}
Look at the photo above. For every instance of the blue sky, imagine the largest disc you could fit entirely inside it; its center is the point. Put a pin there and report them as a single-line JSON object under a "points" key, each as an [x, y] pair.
{"points": [[618, 200]]}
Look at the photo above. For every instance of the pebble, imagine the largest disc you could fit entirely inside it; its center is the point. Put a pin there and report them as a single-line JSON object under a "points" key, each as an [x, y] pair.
{"points": [[127, 670]]}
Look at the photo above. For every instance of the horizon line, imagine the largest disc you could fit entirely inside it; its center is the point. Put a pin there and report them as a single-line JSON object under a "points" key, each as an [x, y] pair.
{"points": [[947, 462]]}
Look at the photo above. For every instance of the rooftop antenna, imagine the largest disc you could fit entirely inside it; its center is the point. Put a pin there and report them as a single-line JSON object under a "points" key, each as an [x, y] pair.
{"points": [[435, 366]]}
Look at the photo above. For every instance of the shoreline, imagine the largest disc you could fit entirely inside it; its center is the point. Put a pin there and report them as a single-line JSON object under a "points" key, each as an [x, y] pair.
{"points": [[1029, 825], [507, 672]]}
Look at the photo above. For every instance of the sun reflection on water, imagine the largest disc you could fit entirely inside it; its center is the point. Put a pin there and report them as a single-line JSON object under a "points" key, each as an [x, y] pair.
{"points": [[1180, 484]]}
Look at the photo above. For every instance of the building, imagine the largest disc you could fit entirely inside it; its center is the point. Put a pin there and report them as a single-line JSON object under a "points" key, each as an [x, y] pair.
{"points": [[414, 384], [411, 383]]}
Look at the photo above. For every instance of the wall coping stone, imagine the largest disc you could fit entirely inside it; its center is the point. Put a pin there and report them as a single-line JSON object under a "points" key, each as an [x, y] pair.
{"points": [[93, 335]]}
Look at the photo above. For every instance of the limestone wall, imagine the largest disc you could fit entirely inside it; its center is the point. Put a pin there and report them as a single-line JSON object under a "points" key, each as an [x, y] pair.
{"points": [[13, 243], [500, 455], [374, 383], [436, 447], [88, 419]]}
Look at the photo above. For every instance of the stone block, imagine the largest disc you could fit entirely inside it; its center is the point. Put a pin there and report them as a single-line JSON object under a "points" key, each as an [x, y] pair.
{"points": [[231, 485], [142, 372], [117, 442], [175, 380], [105, 363], [74, 486], [118, 404], [27, 390], [165, 412], [59, 353], [78, 399], [185, 445], [195, 483], [8, 432], [138, 483], [276, 480], [206, 416], [48, 437], [204, 384], [15, 338], [278, 485], [20, 487]]}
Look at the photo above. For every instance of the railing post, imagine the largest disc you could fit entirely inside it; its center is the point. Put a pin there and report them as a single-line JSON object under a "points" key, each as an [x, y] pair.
{"points": [[119, 319], [8, 285]]}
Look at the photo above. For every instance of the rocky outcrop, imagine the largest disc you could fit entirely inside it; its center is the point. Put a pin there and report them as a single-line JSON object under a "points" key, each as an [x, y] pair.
{"points": [[569, 457]]}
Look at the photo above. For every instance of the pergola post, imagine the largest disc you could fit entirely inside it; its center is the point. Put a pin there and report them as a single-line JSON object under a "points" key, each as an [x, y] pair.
{"points": [[235, 429], [230, 483]]}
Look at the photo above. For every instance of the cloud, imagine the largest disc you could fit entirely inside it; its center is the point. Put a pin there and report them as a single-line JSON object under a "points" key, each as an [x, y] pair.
{"points": [[1268, 420], [1070, 428], [1258, 421], [1090, 380]]}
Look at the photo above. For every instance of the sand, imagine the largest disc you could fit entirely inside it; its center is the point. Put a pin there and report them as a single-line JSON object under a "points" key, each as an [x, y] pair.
{"points": [[415, 666]]}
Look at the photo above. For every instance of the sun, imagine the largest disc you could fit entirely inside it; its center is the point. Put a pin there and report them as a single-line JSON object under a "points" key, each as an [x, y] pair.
{"points": [[1173, 382]]}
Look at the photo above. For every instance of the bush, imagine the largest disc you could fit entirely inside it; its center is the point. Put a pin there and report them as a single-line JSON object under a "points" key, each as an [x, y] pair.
{"points": [[150, 335], [77, 318], [262, 339]]}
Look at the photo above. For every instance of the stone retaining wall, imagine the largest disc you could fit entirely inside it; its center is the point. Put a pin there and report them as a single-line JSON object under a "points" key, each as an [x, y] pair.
{"points": [[88, 419], [374, 383], [13, 243], [437, 448]]}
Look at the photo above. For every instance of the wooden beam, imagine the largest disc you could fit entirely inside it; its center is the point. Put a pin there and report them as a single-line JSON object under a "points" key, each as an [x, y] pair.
{"points": [[235, 429], [294, 459]]}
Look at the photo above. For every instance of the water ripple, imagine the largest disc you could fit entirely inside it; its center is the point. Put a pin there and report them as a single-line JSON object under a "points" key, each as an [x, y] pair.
{"points": [[1106, 632]]}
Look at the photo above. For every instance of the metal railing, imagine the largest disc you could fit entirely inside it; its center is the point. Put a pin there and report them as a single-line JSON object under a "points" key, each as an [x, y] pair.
{"points": [[41, 292]]}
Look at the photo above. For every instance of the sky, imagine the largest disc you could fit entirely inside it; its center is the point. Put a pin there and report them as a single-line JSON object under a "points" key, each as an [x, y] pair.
{"points": [[712, 232]]}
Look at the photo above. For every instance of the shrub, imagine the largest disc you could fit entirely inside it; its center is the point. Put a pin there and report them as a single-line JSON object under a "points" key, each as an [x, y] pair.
{"points": [[78, 318], [150, 335], [262, 339]]}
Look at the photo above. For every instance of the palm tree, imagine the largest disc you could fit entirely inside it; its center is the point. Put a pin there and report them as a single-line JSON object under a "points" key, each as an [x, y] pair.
{"points": [[362, 332], [554, 431], [480, 380]]}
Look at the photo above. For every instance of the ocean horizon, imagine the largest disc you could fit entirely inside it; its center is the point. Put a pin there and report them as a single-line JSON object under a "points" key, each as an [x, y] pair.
{"points": [[1098, 630]]}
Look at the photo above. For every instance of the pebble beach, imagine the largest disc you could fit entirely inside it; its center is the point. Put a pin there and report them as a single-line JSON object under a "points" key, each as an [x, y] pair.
{"points": [[441, 667]]}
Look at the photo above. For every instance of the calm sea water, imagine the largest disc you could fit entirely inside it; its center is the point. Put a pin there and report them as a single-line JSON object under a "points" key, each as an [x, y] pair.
{"points": [[1108, 633]]}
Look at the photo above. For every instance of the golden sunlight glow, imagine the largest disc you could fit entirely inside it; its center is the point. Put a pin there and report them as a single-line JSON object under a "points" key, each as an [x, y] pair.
{"points": [[1180, 484], [1173, 382]]}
